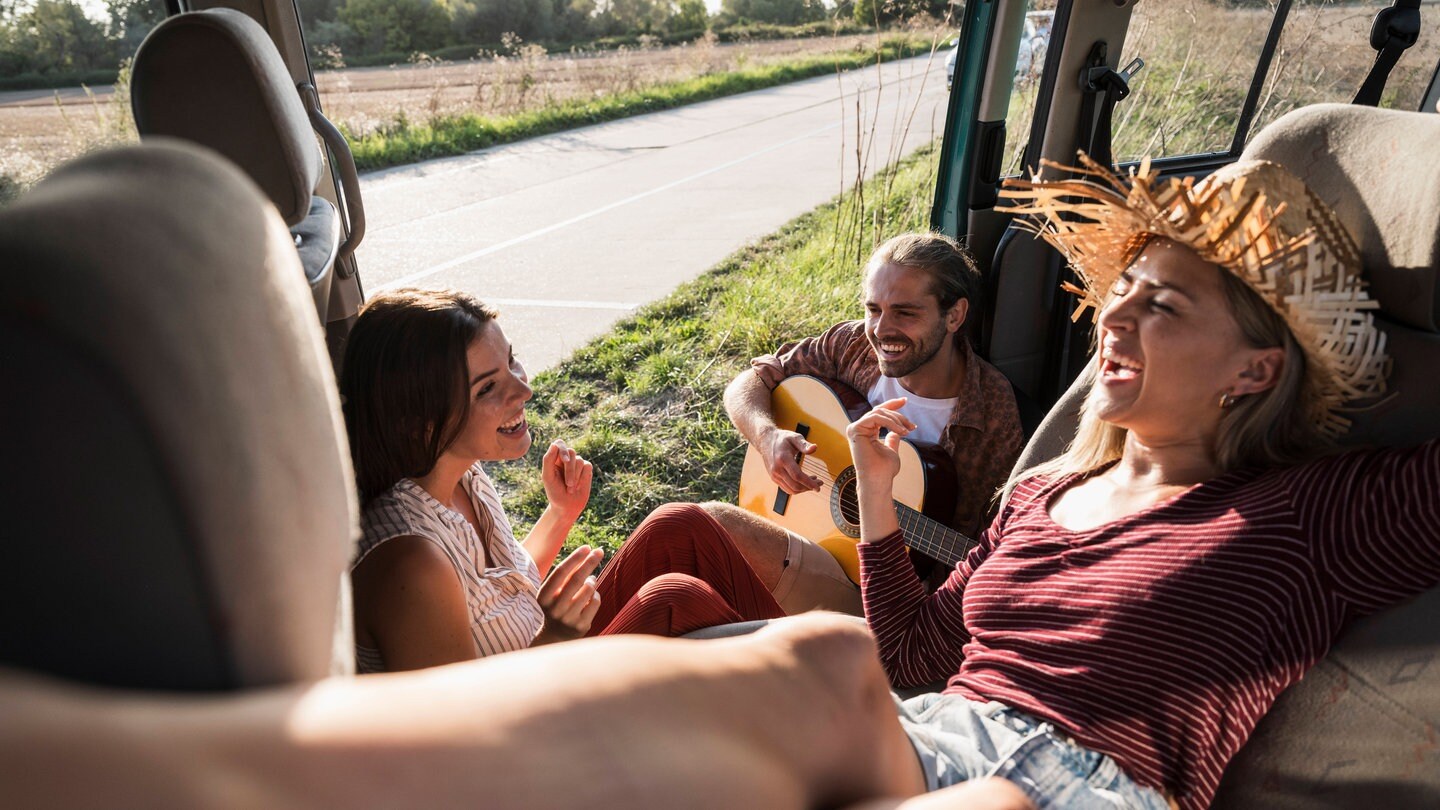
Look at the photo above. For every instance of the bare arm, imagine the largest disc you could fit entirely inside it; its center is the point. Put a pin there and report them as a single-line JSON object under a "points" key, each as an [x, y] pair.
{"points": [[472, 734], [747, 402], [567, 478], [410, 605]]}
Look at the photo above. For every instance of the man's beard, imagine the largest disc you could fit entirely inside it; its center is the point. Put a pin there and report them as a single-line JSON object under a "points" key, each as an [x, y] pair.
{"points": [[918, 354]]}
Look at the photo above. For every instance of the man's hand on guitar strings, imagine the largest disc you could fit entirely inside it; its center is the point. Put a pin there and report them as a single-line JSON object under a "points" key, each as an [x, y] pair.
{"points": [[784, 452]]}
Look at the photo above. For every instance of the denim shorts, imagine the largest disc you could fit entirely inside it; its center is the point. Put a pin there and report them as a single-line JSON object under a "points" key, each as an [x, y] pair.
{"points": [[958, 740]]}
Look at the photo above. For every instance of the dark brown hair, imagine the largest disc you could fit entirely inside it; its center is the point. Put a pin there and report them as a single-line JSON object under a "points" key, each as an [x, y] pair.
{"points": [[952, 270], [404, 382]]}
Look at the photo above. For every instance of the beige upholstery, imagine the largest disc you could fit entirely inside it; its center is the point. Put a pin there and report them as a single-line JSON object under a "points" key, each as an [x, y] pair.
{"points": [[1380, 171], [1362, 729], [215, 78], [170, 358]]}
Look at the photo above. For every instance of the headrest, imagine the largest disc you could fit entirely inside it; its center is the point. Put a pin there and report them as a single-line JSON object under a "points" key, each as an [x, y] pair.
{"points": [[215, 78], [1379, 170], [181, 511]]}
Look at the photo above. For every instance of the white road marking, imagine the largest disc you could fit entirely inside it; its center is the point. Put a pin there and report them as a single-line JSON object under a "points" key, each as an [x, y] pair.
{"points": [[499, 246], [545, 302]]}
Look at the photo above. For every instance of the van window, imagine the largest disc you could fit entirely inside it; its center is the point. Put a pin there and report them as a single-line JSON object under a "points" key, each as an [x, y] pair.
{"points": [[1029, 61], [1325, 55], [1201, 58]]}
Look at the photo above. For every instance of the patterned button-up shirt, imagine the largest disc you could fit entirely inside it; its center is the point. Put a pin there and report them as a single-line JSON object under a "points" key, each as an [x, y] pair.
{"points": [[983, 438], [501, 582]]}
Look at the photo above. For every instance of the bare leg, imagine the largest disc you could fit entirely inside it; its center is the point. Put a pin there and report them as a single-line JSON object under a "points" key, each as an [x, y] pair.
{"points": [[762, 543], [796, 715], [812, 580]]}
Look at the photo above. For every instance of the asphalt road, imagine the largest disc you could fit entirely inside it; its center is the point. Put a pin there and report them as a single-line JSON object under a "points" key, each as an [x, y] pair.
{"points": [[571, 232]]}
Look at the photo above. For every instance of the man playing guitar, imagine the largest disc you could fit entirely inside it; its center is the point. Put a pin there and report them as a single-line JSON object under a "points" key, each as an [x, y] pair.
{"points": [[917, 290]]}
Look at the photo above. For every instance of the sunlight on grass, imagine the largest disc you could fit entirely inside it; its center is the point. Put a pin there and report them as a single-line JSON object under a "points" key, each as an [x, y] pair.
{"points": [[643, 402]]}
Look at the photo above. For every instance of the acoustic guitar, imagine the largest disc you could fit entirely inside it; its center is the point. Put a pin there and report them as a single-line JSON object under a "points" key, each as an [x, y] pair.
{"points": [[819, 410]]}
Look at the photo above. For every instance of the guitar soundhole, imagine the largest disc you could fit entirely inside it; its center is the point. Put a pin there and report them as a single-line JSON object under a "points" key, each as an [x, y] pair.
{"points": [[845, 504]]}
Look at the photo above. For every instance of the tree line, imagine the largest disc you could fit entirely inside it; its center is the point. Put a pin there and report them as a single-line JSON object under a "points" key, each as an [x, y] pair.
{"points": [[40, 38]]}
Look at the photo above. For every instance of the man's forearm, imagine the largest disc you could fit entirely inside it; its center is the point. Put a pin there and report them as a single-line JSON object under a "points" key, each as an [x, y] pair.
{"points": [[747, 403]]}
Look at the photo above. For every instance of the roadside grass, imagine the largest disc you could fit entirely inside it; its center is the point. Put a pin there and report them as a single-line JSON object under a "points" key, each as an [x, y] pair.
{"points": [[404, 141], [643, 402]]}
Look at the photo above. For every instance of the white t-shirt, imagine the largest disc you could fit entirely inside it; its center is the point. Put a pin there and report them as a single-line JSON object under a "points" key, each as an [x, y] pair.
{"points": [[930, 416]]}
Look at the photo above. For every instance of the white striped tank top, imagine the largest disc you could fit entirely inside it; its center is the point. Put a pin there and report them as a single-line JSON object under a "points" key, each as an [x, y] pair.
{"points": [[501, 596]]}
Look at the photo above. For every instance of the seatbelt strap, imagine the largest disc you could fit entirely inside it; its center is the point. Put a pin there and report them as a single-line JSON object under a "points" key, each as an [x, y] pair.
{"points": [[1395, 29], [1103, 87], [1097, 80]]}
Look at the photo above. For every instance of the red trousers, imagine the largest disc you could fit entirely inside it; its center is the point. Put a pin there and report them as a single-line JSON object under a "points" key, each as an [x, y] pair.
{"points": [[679, 571]]}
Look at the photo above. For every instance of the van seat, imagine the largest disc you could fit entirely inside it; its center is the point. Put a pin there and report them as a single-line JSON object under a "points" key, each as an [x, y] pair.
{"points": [[215, 78], [1362, 729], [180, 510]]}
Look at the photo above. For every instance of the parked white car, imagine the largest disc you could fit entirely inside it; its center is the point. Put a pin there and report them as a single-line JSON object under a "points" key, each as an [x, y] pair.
{"points": [[1031, 58]]}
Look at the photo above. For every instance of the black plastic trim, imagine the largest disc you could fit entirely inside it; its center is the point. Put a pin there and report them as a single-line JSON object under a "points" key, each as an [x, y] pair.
{"points": [[1257, 82]]}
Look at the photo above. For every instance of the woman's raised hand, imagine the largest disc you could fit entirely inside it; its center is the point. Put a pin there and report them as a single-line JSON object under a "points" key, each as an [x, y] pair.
{"points": [[566, 477], [569, 598], [876, 458]]}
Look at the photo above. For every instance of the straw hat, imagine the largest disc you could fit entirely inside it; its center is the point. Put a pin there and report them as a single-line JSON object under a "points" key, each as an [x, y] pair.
{"points": [[1254, 219]]}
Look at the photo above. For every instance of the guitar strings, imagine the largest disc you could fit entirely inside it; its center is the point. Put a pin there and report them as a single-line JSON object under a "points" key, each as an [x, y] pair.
{"points": [[939, 535], [850, 510], [941, 538]]}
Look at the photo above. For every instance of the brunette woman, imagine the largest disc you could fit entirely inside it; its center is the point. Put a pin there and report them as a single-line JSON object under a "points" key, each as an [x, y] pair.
{"points": [[431, 389]]}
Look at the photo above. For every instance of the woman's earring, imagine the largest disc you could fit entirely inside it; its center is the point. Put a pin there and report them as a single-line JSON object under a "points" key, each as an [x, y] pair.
{"points": [[1227, 399]]}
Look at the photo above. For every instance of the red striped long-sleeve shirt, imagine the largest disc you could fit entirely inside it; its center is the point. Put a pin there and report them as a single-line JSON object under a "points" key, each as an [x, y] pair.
{"points": [[1161, 638]]}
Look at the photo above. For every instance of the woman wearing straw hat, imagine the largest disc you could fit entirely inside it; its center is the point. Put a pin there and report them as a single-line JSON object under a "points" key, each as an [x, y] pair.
{"points": [[1141, 600]]}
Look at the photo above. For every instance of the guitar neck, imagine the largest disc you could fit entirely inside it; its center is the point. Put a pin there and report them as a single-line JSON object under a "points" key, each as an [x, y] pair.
{"points": [[931, 537]]}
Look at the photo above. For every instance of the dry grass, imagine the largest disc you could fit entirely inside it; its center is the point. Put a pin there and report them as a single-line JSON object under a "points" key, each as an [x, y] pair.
{"points": [[525, 78], [41, 129], [1200, 56], [39, 134]]}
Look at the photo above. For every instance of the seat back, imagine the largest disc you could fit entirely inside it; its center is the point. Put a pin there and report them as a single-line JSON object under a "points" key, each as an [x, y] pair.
{"points": [[215, 78], [178, 497], [1361, 728]]}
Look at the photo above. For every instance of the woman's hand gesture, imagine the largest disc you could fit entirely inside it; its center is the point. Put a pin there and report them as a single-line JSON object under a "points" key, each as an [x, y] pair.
{"points": [[569, 598], [566, 477], [877, 459]]}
